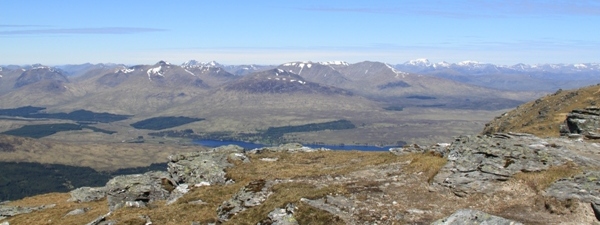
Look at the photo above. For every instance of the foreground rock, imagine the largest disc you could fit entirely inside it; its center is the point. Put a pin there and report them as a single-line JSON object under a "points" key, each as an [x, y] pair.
{"points": [[87, 194], [583, 187], [253, 194], [201, 168], [583, 122], [439, 149], [281, 216], [477, 163], [469, 216], [137, 190]]}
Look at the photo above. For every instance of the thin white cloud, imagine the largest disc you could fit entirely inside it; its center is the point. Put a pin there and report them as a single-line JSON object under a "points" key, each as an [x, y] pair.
{"points": [[94, 30]]}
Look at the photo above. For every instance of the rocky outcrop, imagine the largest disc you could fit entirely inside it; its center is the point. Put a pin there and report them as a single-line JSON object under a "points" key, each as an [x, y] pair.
{"points": [[137, 190], [584, 122], [476, 163], [584, 187], [87, 194], [204, 167], [253, 194], [438, 149], [469, 216]]}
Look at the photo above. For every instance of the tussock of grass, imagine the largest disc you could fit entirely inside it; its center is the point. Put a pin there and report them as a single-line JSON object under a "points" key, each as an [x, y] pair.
{"points": [[539, 181], [428, 164]]}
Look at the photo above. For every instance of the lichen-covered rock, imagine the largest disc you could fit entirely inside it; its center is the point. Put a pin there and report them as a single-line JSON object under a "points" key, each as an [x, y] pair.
{"points": [[87, 194], [137, 189], [281, 216], [199, 167], [584, 187], [585, 122], [177, 193], [473, 217], [439, 148], [253, 194], [476, 163], [238, 157]]}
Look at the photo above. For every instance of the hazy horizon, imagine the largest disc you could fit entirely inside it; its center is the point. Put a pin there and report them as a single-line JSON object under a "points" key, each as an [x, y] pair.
{"points": [[275, 32]]}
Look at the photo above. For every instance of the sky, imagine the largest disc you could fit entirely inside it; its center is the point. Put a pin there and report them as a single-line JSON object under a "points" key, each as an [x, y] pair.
{"points": [[278, 31]]}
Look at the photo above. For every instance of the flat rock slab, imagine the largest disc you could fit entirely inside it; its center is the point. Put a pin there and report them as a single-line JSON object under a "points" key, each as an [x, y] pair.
{"points": [[477, 163], [584, 187], [474, 217], [137, 189]]}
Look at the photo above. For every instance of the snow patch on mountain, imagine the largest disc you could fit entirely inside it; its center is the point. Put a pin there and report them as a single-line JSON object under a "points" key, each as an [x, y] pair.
{"points": [[468, 63], [398, 73], [125, 70], [419, 62], [189, 72], [157, 71], [196, 64], [310, 64], [334, 63], [442, 64]]}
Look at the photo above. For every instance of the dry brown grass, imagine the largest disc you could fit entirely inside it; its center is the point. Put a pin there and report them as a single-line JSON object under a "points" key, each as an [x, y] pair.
{"points": [[528, 118], [539, 181], [297, 166], [57, 214], [428, 164], [308, 164]]}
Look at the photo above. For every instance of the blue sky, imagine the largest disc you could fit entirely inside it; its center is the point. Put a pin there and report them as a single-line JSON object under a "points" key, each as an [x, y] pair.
{"points": [[274, 32]]}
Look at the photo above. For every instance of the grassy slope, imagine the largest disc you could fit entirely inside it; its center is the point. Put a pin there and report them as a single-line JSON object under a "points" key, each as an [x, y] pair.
{"points": [[543, 117]]}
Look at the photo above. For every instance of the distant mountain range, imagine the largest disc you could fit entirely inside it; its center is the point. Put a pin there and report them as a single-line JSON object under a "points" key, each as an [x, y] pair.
{"points": [[519, 77], [547, 77], [148, 89], [377, 97]]}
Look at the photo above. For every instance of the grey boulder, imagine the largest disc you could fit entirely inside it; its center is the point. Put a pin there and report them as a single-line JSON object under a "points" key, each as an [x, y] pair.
{"points": [[87, 194], [137, 190]]}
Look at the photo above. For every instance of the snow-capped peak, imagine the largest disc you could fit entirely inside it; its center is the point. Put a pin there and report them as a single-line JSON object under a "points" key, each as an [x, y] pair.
{"points": [[468, 63], [442, 64], [419, 62], [194, 63], [163, 63], [334, 63]]}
